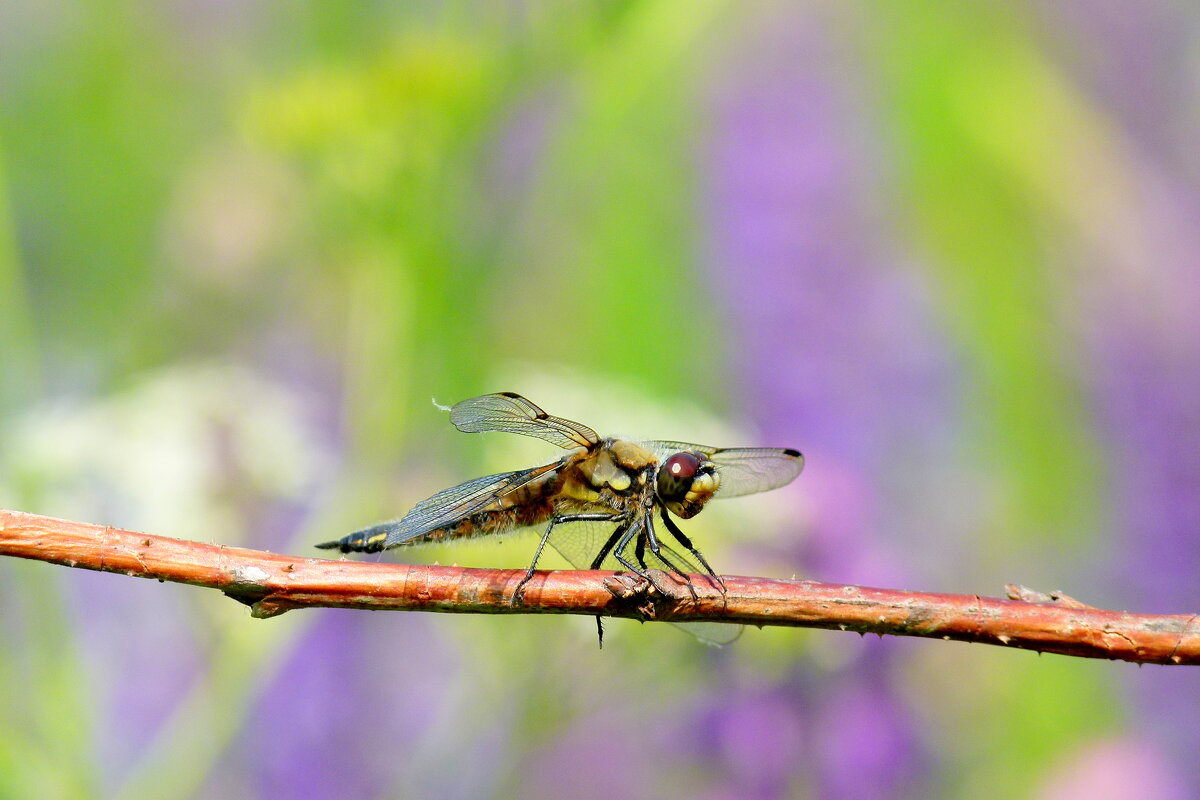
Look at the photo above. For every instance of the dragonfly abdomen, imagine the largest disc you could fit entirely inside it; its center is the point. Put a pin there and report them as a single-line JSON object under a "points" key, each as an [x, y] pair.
{"points": [[489, 522], [370, 540], [482, 523]]}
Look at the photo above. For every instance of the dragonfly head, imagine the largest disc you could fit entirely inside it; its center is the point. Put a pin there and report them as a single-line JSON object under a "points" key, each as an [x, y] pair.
{"points": [[685, 482]]}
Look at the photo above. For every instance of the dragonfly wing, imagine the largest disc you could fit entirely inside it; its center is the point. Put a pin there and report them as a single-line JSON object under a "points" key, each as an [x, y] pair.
{"points": [[512, 413], [580, 542], [460, 501], [743, 470], [749, 470]]}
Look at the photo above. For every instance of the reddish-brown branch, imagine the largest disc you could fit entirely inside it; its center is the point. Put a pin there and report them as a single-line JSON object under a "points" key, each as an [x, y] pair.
{"points": [[272, 584]]}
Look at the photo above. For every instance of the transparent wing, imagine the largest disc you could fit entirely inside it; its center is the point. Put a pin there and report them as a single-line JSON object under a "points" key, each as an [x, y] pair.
{"points": [[457, 502], [749, 470], [580, 543], [512, 413], [744, 470]]}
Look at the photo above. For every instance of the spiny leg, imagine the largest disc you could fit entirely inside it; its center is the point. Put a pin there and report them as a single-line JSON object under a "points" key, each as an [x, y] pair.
{"points": [[686, 542], [619, 554], [617, 533], [516, 598], [619, 550], [639, 552], [657, 550]]}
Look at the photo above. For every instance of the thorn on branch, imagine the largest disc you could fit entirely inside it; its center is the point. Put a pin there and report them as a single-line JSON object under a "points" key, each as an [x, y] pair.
{"points": [[1058, 597]]}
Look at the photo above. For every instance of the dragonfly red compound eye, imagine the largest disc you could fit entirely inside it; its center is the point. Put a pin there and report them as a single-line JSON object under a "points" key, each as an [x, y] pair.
{"points": [[676, 474], [682, 466]]}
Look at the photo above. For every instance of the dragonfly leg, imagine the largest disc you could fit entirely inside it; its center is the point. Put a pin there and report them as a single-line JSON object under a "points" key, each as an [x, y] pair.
{"points": [[516, 598], [657, 550], [617, 533], [619, 554], [639, 551], [619, 550], [608, 546], [686, 542]]}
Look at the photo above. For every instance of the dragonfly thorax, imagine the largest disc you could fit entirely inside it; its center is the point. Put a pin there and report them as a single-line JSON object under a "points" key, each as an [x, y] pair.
{"points": [[616, 464]]}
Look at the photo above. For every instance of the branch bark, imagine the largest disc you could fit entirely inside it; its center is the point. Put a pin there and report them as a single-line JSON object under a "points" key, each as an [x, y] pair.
{"points": [[272, 584]]}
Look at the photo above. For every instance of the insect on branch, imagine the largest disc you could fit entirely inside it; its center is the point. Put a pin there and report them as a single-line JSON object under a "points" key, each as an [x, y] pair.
{"points": [[272, 584]]}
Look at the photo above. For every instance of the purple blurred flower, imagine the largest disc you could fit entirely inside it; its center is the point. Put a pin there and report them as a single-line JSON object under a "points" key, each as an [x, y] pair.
{"points": [[864, 738], [1114, 768], [140, 661], [346, 712], [753, 741], [835, 348], [1139, 321], [604, 756]]}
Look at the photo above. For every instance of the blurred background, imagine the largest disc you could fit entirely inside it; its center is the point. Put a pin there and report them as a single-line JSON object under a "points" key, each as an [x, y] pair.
{"points": [[948, 250]]}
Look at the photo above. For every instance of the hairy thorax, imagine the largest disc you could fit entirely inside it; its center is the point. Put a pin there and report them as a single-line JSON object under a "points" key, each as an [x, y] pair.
{"points": [[612, 477]]}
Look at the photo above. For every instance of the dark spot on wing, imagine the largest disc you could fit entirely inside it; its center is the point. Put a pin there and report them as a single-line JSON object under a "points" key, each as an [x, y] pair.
{"points": [[540, 415]]}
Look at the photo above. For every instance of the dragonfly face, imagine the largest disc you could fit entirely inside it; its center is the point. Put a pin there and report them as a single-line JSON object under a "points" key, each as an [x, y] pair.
{"points": [[685, 482], [598, 501]]}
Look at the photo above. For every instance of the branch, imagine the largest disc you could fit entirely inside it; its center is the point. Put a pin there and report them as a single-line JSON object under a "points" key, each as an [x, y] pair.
{"points": [[272, 584]]}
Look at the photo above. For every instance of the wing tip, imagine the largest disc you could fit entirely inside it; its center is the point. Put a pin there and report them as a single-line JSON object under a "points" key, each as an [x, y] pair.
{"points": [[800, 462]]}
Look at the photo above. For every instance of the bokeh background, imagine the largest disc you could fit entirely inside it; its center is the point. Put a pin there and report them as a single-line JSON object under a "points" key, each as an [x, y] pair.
{"points": [[948, 250]]}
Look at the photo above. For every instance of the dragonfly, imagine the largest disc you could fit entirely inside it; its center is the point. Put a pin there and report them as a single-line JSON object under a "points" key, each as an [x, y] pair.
{"points": [[601, 502]]}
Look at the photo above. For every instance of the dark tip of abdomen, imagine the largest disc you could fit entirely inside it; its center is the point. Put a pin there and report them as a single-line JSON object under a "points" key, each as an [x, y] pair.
{"points": [[370, 540]]}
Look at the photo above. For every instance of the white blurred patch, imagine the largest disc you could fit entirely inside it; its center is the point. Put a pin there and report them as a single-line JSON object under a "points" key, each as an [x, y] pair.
{"points": [[185, 453]]}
